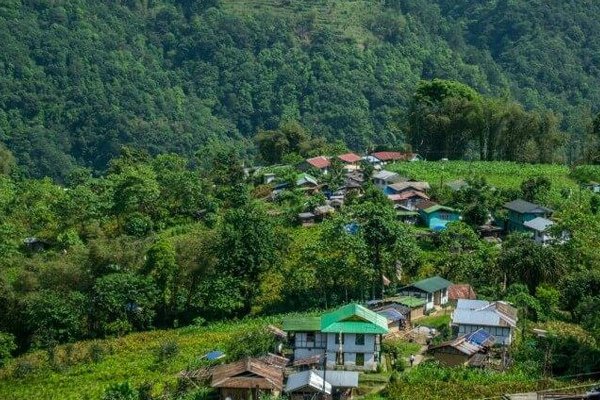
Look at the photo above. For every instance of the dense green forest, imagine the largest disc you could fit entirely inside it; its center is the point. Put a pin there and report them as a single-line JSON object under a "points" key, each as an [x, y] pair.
{"points": [[79, 79], [157, 242]]}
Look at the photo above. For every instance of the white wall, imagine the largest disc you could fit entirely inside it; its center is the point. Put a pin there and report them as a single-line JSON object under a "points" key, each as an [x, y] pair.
{"points": [[350, 348]]}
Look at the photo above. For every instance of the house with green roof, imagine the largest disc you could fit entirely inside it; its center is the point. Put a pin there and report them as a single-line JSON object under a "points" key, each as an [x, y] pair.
{"points": [[433, 290], [436, 216], [349, 337]]}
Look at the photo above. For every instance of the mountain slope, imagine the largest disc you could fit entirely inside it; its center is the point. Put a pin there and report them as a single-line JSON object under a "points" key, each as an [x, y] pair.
{"points": [[81, 78]]}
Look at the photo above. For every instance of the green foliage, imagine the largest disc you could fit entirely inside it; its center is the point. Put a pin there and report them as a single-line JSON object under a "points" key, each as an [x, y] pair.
{"points": [[120, 391], [253, 342], [7, 346], [166, 351]]}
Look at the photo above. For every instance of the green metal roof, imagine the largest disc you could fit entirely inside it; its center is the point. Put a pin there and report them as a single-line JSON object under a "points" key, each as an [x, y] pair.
{"points": [[302, 324], [438, 207], [406, 213], [430, 285], [354, 318], [410, 301]]}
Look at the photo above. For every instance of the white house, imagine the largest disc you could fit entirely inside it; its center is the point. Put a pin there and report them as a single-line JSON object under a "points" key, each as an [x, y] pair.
{"points": [[540, 227], [498, 318], [349, 337], [433, 290], [384, 178]]}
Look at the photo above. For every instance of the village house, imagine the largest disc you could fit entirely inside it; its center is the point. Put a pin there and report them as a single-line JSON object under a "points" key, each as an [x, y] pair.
{"points": [[407, 216], [461, 291], [433, 290], [335, 384], [351, 161], [435, 216], [349, 337], [467, 349], [248, 379], [541, 229], [521, 211], [384, 178], [388, 156], [405, 186], [321, 163], [497, 318], [408, 199], [307, 182]]}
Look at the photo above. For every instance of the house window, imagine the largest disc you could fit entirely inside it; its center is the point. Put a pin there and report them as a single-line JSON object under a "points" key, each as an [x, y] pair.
{"points": [[338, 337], [360, 359], [310, 337], [360, 339]]}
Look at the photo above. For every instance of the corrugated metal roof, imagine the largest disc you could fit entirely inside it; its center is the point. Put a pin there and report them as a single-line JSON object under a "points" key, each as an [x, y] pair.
{"points": [[386, 175], [391, 314], [410, 301], [349, 157], [353, 318], [307, 380], [340, 379], [430, 285], [468, 304], [302, 324], [319, 162], [539, 224], [461, 291], [524, 207]]}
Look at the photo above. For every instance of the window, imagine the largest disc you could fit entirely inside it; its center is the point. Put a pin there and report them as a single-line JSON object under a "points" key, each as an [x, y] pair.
{"points": [[359, 339], [310, 337], [360, 359], [338, 337]]}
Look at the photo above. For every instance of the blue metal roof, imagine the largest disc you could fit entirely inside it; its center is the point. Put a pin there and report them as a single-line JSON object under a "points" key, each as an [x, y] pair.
{"points": [[391, 314]]}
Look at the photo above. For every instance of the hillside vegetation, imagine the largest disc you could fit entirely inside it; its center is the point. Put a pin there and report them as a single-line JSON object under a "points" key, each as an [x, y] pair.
{"points": [[81, 78]]}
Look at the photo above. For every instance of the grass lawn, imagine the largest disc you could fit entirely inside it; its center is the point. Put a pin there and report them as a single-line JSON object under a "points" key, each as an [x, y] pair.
{"points": [[434, 321], [130, 358]]}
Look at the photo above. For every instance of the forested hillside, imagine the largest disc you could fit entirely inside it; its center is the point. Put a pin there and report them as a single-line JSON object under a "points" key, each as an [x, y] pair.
{"points": [[80, 78]]}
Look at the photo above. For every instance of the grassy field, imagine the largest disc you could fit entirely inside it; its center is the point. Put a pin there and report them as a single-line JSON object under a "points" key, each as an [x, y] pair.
{"points": [[131, 358], [506, 175]]}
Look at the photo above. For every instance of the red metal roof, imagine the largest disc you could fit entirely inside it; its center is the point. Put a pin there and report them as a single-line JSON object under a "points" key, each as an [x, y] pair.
{"points": [[319, 162], [461, 291], [349, 158], [389, 155]]}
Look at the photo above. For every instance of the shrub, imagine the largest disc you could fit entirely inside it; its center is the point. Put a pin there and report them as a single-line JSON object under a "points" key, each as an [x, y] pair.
{"points": [[120, 391], [96, 352], [7, 346], [254, 342], [167, 350], [24, 367]]}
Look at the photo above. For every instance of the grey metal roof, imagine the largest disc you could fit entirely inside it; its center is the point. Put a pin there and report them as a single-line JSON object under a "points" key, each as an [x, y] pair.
{"points": [[497, 313], [340, 379], [539, 224], [524, 207], [386, 175], [471, 304], [306, 380]]}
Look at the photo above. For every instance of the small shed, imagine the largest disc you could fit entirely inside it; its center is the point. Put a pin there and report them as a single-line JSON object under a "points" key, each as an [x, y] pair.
{"points": [[248, 379], [395, 319]]}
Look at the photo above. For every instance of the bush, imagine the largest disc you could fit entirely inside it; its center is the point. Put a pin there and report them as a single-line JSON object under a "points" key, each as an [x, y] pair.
{"points": [[24, 367], [96, 352], [7, 346], [254, 342], [167, 350], [120, 391]]}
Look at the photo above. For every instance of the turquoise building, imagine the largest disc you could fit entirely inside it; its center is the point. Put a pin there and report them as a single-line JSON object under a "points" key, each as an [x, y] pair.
{"points": [[436, 217], [521, 211]]}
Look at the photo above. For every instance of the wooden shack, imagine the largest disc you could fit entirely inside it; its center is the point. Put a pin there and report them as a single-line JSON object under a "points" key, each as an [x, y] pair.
{"points": [[248, 379]]}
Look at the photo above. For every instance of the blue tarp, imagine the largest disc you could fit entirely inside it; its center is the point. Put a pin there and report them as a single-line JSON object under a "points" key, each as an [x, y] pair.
{"points": [[214, 355]]}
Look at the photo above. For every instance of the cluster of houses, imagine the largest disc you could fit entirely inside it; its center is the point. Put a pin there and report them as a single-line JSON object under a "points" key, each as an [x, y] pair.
{"points": [[410, 198], [330, 350]]}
